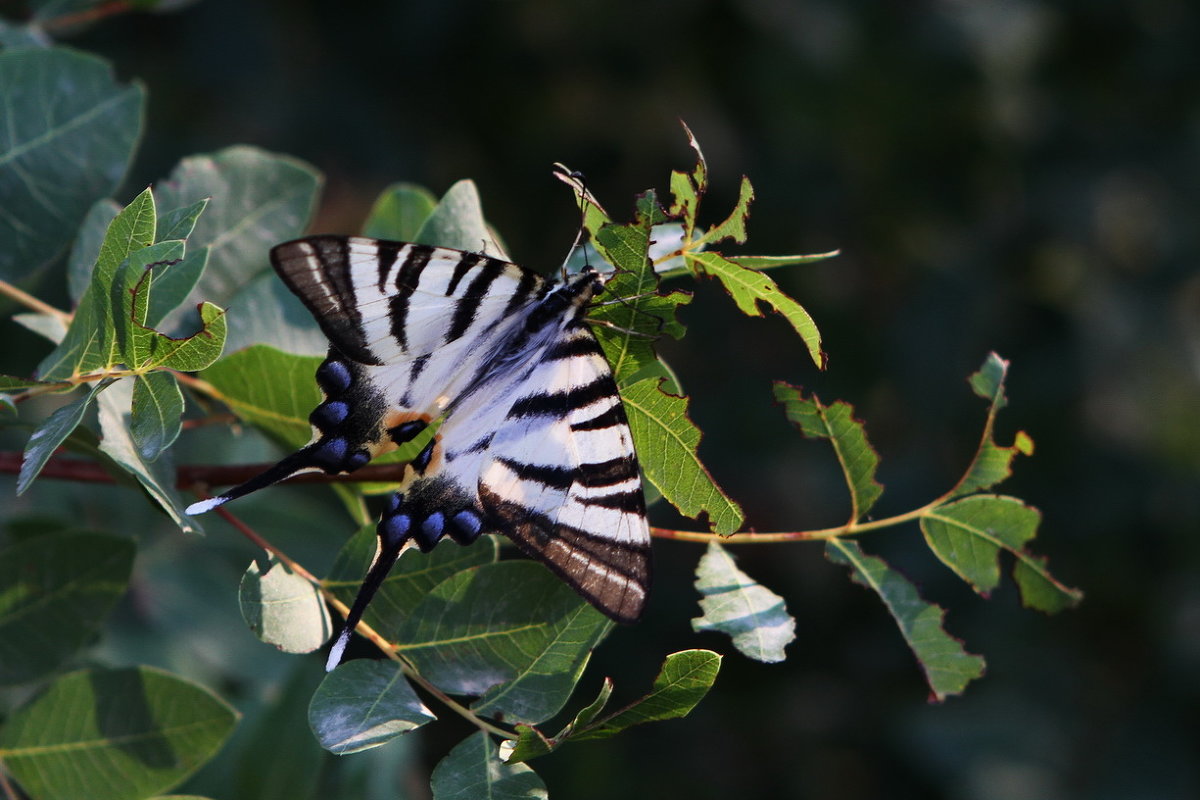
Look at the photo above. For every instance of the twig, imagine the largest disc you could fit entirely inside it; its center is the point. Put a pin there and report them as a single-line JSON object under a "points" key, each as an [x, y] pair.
{"points": [[31, 302], [88, 15]]}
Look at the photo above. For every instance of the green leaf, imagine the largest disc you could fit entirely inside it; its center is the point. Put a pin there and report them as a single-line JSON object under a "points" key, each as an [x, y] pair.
{"points": [[190, 353], [363, 704], [531, 743], [55, 591], [413, 576], [948, 667], [992, 462], [771, 262], [683, 681], [666, 443], [259, 199], [155, 413], [91, 344], [51, 433], [473, 771], [270, 389], [458, 222], [751, 289], [113, 734], [284, 609], [171, 283], [14, 382], [69, 136], [968, 535], [129, 297], [847, 435], [178, 223], [156, 477], [510, 631], [733, 603], [400, 212]]}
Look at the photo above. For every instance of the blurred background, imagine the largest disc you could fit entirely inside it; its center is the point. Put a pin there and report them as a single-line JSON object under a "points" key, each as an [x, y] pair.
{"points": [[999, 175]]}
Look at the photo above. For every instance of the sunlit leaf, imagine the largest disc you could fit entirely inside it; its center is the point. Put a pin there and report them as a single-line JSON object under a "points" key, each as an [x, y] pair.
{"points": [[270, 389], [683, 681], [948, 667], [363, 704], [86, 247], [752, 289], [55, 591], [69, 134], [848, 436], [666, 442], [284, 609], [755, 618], [113, 734], [473, 771], [992, 462]]}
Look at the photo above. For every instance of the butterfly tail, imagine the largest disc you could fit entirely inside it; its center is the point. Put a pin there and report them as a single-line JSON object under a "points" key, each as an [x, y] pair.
{"points": [[394, 535], [306, 459]]}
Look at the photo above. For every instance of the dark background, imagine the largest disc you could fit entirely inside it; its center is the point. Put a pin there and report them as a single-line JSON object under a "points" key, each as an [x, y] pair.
{"points": [[1006, 176]]}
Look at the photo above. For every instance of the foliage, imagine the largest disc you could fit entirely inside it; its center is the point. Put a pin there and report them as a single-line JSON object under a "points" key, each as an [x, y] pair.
{"points": [[172, 293]]}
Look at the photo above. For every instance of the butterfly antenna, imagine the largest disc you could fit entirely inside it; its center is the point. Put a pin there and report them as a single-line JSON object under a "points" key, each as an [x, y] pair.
{"points": [[578, 182]]}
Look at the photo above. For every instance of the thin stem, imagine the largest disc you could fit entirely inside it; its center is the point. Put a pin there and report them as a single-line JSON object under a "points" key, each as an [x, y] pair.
{"points": [[10, 793], [31, 302], [88, 15]]}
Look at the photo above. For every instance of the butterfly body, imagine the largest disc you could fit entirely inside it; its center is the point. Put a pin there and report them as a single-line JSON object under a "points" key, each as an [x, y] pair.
{"points": [[532, 439]]}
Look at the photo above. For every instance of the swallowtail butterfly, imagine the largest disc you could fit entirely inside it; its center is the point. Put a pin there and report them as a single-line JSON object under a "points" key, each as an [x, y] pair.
{"points": [[533, 440]]}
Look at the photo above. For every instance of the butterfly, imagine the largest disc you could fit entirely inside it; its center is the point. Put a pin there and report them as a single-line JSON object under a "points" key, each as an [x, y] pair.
{"points": [[531, 442]]}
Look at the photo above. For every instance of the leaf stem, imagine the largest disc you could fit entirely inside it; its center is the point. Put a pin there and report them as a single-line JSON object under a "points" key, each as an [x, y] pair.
{"points": [[31, 302], [88, 15]]}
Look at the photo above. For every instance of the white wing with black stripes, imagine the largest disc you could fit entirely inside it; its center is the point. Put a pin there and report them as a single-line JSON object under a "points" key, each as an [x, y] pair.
{"points": [[533, 441]]}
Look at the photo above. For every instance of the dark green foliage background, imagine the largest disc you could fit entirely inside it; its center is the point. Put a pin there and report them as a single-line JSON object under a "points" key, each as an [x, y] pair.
{"points": [[1000, 176]]}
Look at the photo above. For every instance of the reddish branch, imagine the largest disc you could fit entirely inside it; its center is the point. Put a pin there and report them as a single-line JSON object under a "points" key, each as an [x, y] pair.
{"points": [[195, 477]]}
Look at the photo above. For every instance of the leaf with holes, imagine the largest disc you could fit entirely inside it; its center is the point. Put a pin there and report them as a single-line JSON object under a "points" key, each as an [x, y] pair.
{"points": [[733, 603]]}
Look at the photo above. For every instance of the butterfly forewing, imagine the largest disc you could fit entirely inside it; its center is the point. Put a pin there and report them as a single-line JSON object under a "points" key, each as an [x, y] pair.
{"points": [[533, 440]]}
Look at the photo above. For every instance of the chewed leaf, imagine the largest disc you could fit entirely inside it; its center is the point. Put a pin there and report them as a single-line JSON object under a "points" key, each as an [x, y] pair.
{"points": [[284, 609], [992, 462], [750, 288], [968, 535], [948, 667], [666, 445], [363, 704], [90, 343], [531, 743], [733, 603], [847, 435], [683, 681]]}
